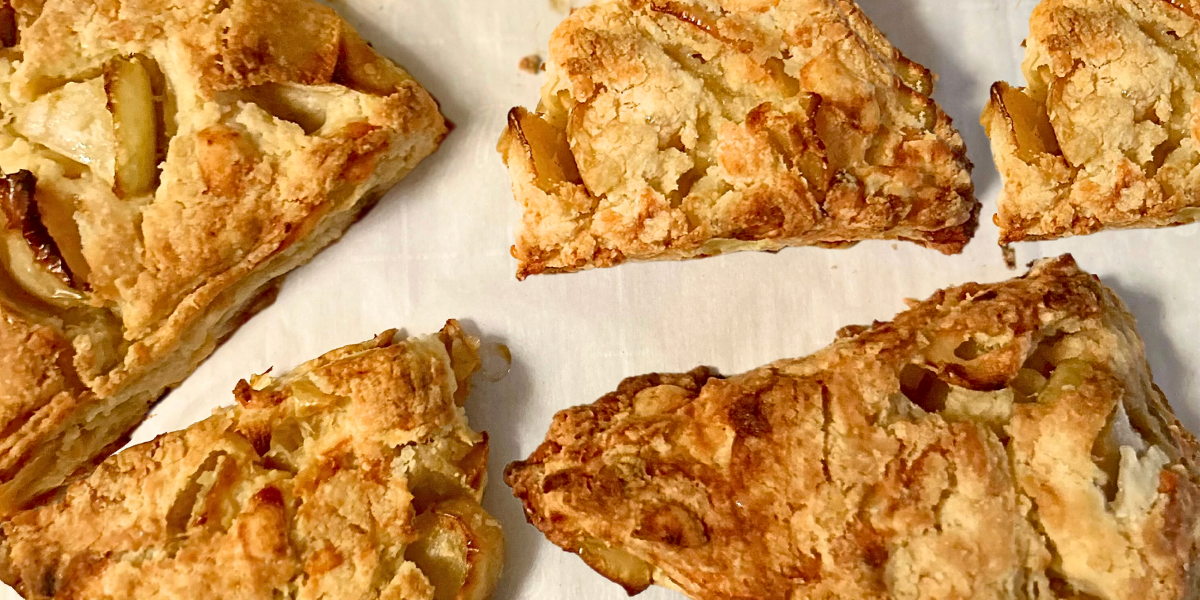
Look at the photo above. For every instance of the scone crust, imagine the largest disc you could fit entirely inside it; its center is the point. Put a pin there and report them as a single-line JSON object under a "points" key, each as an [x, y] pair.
{"points": [[672, 129], [278, 127], [1114, 98], [929, 457], [309, 488]]}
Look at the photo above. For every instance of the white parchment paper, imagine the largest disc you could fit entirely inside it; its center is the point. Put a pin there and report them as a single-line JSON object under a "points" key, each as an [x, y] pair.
{"points": [[438, 247]]}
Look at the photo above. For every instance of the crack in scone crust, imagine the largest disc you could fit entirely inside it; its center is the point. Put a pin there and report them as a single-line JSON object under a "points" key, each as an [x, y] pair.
{"points": [[995, 441], [1106, 135], [673, 129], [318, 484], [181, 157]]}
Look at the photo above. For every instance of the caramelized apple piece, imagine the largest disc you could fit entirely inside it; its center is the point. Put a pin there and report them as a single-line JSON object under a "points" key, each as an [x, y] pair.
{"points": [[546, 147], [632, 573], [460, 550], [28, 252], [915, 76], [464, 475], [1028, 121], [1028, 384], [302, 106], [131, 100]]}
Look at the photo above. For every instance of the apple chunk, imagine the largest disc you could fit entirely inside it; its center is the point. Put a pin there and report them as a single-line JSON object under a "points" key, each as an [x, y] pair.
{"points": [[131, 100], [544, 146], [1026, 119], [28, 251], [74, 122], [618, 566], [460, 550]]}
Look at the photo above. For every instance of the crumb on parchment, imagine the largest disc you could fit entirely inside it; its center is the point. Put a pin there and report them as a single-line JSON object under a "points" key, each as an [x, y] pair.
{"points": [[1010, 256], [531, 64]]}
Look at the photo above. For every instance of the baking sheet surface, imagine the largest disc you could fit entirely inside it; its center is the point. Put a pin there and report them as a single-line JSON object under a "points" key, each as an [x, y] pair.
{"points": [[437, 247]]}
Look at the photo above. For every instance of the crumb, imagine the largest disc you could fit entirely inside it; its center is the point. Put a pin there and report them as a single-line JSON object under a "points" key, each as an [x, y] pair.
{"points": [[531, 64], [497, 361], [562, 6], [895, 246], [1010, 257]]}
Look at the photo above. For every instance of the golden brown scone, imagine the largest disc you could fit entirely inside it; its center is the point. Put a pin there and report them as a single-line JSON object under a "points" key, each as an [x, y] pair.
{"points": [[995, 441], [354, 476], [672, 129], [166, 163], [1107, 134]]}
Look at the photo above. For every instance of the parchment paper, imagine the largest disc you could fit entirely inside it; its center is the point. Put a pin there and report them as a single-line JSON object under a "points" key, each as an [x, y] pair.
{"points": [[438, 247]]}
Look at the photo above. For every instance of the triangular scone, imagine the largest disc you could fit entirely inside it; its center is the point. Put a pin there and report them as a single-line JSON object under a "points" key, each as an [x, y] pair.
{"points": [[999, 441], [672, 129], [354, 476], [167, 163], [1106, 134]]}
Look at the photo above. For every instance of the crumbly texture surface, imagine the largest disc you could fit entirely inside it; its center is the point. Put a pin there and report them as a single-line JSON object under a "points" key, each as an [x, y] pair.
{"points": [[672, 129], [995, 441], [1106, 136], [186, 155], [314, 486]]}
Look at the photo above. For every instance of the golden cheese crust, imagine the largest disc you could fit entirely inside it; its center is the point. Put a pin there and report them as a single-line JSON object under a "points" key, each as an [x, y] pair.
{"points": [[181, 157], [673, 129], [995, 441], [317, 485], [1107, 134]]}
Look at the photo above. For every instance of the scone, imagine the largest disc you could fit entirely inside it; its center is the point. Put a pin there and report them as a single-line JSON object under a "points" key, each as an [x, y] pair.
{"points": [[354, 476], [999, 441], [166, 164], [673, 129], [1107, 135]]}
